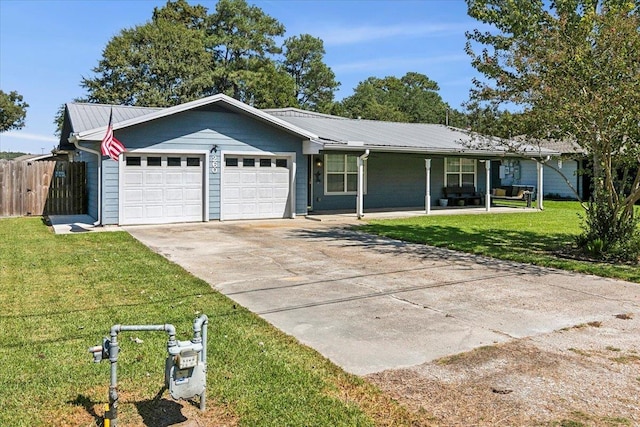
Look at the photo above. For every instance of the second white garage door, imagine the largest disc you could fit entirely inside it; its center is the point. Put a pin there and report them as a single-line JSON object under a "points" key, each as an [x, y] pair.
{"points": [[256, 187]]}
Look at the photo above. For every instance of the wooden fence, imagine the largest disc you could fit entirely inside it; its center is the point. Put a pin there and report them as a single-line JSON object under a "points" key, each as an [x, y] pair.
{"points": [[42, 188]]}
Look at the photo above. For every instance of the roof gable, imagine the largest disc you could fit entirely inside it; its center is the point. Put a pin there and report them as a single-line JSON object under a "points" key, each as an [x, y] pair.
{"points": [[89, 121]]}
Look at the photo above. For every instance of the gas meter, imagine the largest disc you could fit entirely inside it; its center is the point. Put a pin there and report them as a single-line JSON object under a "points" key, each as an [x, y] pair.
{"points": [[186, 372], [185, 367]]}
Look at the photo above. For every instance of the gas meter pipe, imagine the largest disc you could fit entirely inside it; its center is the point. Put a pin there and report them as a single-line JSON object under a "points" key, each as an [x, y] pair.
{"points": [[113, 358], [200, 336]]}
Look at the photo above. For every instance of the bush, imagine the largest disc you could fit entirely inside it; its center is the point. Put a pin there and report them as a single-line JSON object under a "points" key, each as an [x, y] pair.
{"points": [[608, 235]]}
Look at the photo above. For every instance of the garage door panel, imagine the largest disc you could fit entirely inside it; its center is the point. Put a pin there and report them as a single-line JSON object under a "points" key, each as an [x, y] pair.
{"points": [[134, 212], [162, 194], [133, 196], [192, 178], [133, 178], [192, 195], [265, 193], [265, 178], [281, 178], [173, 178], [249, 194], [153, 211], [249, 177], [231, 177], [174, 194], [153, 178], [231, 194], [255, 192], [153, 195]]}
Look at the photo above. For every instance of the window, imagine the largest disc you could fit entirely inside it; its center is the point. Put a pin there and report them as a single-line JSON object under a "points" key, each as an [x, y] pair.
{"points": [[460, 172], [133, 161], [265, 163], [154, 161], [173, 161], [193, 161], [248, 163], [341, 173], [281, 163], [231, 161]]}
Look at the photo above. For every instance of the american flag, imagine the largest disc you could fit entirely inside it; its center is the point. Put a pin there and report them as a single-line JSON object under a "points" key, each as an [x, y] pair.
{"points": [[110, 146]]}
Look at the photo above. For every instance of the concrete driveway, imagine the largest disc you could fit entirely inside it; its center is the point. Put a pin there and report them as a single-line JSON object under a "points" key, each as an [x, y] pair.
{"points": [[370, 303]]}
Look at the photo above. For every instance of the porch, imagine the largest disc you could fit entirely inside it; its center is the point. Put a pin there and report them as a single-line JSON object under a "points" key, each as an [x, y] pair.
{"points": [[372, 214]]}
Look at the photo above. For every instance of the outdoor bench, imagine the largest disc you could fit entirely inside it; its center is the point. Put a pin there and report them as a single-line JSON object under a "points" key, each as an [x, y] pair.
{"points": [[516, 193], [462, 195]]}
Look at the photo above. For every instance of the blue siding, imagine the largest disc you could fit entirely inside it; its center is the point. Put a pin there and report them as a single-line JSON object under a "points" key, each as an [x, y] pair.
{"points": [[91, 161], [201, 130], [394, 180], [553, 182]]}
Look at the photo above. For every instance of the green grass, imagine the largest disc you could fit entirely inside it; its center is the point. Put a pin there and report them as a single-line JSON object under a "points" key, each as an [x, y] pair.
{"points": [[61, 294], [538, 238]]}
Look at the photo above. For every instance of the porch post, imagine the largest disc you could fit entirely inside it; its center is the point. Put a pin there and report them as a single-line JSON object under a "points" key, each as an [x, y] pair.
{"points": [[427, 197], [360, 195], [487, 195], [539, 203]]}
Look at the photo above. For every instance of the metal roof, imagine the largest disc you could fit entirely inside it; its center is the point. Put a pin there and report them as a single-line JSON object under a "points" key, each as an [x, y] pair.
{"points": [[86, 116], [342, 133], [89, 123], [91, 119]]}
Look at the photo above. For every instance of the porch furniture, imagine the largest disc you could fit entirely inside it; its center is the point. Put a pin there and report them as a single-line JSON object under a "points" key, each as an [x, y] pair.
{"points": [[462, 195], [517, 193]]}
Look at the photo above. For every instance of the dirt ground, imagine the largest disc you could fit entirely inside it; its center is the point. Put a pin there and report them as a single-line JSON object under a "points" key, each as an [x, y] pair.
{"points": [[587, 375]]}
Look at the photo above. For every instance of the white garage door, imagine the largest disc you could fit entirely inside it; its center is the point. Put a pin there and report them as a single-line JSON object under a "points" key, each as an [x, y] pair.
{"points": [[159, 189], [256, 187]]}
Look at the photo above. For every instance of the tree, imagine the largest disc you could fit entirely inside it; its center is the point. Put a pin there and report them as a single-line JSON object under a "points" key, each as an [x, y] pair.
{"points": [[412, 98], [185, 53], [314, 82], [13, 111], [242, 38], [572, 67], [161, 63]]}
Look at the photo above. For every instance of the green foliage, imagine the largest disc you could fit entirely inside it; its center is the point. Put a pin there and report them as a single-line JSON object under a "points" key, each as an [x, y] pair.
{"points": [[315, 83], [8, 155], [161, 63], [241, 37], [412, 98], [61, 294], [544, 238], [185, 53], [13, 111], [607, 236], [572, 68]]}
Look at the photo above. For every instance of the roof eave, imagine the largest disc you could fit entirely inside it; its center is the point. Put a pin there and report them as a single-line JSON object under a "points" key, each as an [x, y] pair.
{"points": [[338, 146]]}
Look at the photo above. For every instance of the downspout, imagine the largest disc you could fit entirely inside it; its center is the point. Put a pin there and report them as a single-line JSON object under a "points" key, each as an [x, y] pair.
{"points": [[360, 196], [75, 141]]}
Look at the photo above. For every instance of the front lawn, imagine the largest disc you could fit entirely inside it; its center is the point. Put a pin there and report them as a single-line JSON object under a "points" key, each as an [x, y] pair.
{"points": [[539, 238], [61, 294]]}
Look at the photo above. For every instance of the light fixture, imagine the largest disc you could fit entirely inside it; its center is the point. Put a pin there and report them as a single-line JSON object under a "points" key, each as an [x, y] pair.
{"points": [[318, 175], [214, 149], [318, 162]]}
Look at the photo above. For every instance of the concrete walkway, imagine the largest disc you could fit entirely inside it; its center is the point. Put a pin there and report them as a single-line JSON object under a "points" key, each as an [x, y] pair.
{"points": [[371, 304]]}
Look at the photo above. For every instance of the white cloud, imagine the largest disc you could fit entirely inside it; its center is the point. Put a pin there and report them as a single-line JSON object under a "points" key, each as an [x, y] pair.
{"points": [[387, 63], [29, 136], [351, 35]]}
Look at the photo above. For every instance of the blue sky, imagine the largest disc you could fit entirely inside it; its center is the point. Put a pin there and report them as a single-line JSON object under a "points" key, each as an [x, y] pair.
{"points": [[47, 46]]}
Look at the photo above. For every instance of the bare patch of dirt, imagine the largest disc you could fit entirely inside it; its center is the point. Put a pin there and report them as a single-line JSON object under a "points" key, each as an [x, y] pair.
{"points": [[136, 412], [588, 375]]}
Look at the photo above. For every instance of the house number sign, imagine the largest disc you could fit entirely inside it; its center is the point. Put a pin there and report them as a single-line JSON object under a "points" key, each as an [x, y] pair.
{"points": [[214, 164]]}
